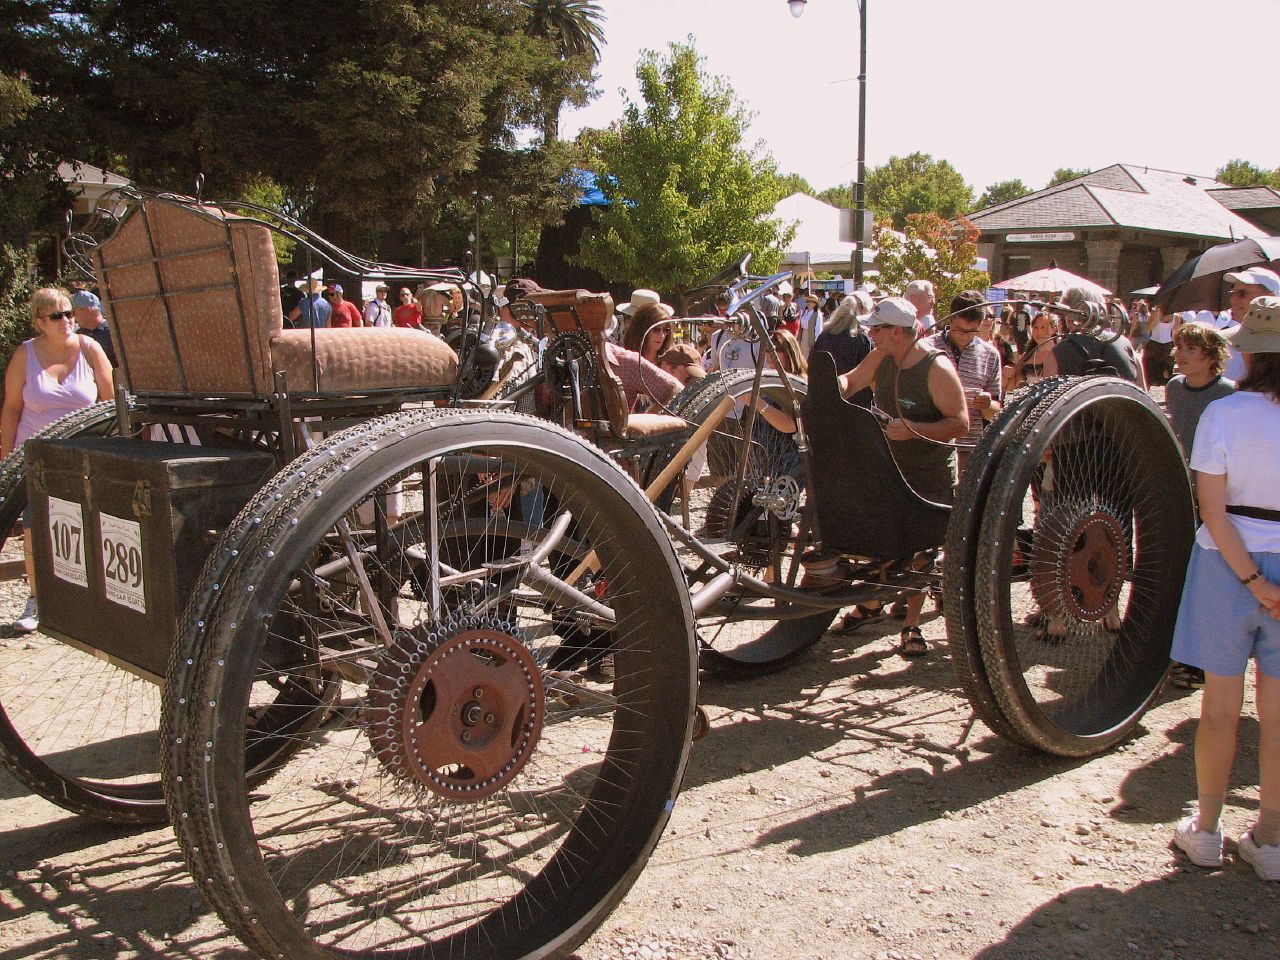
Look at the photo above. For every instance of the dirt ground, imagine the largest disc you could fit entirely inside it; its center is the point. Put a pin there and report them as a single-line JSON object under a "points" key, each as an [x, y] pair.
{"points": [[848, 807]]}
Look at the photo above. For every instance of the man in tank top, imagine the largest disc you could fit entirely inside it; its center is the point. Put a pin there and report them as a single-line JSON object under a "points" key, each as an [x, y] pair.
{"points": [[920, 391]]}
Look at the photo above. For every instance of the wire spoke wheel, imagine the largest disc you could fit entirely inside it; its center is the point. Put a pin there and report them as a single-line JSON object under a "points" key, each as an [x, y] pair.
{"points": [[960, 555], [1080, 562], [462, 794], [751, 523], [76, 729]]}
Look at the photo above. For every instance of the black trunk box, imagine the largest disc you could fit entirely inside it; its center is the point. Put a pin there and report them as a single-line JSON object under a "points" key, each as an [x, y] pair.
{"points": [[120, 530]]}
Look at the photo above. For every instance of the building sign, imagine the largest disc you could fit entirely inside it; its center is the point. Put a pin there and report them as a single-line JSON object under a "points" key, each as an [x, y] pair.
{"points": [[1061, 237]]}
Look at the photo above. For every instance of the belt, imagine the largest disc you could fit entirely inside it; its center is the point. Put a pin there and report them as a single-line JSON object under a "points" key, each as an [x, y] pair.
{"points": [[1257, 513]]}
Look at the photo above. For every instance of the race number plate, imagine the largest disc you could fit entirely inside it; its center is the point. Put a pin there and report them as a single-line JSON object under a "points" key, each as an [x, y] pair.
{"points": [[122, 562], [66, 534]]}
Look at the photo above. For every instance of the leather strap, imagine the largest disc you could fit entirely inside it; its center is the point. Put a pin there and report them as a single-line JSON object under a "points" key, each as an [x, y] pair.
{"points": [[1256, 513]]}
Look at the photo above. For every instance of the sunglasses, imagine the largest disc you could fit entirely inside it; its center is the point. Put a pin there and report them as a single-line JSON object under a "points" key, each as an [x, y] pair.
{"points": [[60, 315]]}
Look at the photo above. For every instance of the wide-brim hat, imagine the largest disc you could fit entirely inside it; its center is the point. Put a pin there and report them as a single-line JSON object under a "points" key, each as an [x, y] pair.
{"points": [[639, 298], [1259, 332]]}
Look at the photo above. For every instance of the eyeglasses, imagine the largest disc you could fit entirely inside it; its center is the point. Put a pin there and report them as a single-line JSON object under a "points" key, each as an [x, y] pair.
{"points": [[60, 315]]}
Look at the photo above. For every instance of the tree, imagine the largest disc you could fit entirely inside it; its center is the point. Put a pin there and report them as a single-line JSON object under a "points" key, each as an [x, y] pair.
{"points": [[684, 195], [916, 184], [794, 183], [839, 196], [1002, 192], [1063, 174], [932, 249], [1242, 173], [372, 115], [573, 27]]}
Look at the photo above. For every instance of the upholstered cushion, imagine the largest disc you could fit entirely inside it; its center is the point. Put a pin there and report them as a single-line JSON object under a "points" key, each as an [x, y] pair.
{"points": [[594, 310], [363, 358], [193, 300], [644, 426]]}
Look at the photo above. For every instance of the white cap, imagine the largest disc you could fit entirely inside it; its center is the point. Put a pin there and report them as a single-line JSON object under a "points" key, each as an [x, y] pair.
{"points": [[895, 311], [1256, 276]]}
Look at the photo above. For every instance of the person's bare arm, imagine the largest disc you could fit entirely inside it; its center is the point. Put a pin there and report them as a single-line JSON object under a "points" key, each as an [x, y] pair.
{"points": [[101, 367], [863, 375], [1212, 491], [15, 378]]}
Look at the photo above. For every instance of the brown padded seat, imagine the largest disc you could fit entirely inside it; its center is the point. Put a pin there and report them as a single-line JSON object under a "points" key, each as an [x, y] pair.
{"points": [[646, 426], [193, 300]]}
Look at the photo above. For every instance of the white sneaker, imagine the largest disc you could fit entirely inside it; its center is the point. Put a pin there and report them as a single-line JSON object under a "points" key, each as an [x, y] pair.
{"points": [[29, 622], [1202, 847], [1265, 858]]}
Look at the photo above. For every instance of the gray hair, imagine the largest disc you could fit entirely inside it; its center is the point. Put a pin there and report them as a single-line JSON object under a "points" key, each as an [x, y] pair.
{"points": [[918, 286], [845, 318]]}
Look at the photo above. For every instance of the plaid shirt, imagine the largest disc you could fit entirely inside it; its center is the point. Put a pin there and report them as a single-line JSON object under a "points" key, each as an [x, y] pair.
{"points": [[979, 368]]}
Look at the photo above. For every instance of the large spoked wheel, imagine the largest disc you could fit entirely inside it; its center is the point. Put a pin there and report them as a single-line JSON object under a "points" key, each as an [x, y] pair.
{"points": [[77, 730], [1079, 566], [462, 796], [752, 523], [960, 555]]}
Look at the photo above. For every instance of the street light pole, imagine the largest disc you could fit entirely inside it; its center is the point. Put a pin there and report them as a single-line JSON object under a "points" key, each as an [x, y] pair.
{"points": [[860, 185]]}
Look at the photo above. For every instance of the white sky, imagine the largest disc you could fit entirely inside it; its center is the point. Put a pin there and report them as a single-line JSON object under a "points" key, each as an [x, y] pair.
{"points": [[1160, 83]]}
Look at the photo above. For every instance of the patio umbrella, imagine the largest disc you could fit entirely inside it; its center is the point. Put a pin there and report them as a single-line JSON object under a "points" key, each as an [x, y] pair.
{"points": [[1198, 285], [1145, 291], [1052, 279]]}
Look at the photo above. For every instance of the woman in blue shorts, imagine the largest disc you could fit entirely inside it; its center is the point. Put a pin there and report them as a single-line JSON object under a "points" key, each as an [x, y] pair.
{"points": [[1230, 607]]}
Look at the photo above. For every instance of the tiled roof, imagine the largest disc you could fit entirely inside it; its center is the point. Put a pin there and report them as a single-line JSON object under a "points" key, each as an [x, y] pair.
{"points": [[1124, 195], [1247, 198]]}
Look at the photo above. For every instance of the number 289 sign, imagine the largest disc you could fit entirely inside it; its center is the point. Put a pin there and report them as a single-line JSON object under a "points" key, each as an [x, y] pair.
{"points": [[122, 562]]}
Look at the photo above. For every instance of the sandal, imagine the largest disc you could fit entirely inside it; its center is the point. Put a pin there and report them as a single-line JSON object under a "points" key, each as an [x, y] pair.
{"points": [[858, 618], [911, 643]]}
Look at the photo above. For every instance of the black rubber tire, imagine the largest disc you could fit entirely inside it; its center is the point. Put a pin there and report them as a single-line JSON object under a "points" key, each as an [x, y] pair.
{"points": [[961, 550], [340, 856], [101, 760], [1115, 467], [764, 544]]}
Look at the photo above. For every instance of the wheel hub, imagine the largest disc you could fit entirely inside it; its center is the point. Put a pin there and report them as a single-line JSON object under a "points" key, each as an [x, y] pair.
{"points": [[1079, 561], [459, 709]]}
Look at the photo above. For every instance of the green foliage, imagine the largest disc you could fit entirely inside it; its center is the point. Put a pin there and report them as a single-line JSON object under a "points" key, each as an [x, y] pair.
{"points": [[932, 249], [372, 115], [685, 196], [917, 184], [840, 196], [794, 183], [1002, 192], [1242, 173], [267, 193], [1063, 174], [16, 285]]}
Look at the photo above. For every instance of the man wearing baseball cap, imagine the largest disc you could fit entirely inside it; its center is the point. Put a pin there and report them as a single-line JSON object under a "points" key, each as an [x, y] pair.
{"points": [[343, 313], [377, 312], [1246, 286], [919, 389], [91, 322]]}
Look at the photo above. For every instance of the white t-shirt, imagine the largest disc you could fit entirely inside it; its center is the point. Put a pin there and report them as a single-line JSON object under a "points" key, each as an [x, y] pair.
{"points": [[732, 352], [1163, 332], [1237, 436]]}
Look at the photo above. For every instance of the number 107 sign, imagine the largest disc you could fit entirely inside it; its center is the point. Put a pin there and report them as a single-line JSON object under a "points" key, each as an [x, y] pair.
{"points": [[122, 562]]}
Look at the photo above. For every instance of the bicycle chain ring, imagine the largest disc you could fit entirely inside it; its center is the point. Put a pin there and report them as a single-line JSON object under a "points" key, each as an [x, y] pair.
{"points": [[1079, 560], [457, 707], [560, 352]]}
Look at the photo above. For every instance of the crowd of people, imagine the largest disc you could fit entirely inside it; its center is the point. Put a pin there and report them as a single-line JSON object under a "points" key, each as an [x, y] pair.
{"points": [[936, 385]]}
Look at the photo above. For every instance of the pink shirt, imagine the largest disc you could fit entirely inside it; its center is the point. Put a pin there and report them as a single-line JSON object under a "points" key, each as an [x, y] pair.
{"points": [[45, 400]]}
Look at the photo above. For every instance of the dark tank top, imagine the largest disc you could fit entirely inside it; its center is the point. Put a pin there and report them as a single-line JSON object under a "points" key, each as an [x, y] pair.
{"points": [[927, 466]]}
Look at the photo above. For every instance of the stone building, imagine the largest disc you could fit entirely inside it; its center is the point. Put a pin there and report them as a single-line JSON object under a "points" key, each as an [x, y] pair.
{"points": [[1124, 226]]}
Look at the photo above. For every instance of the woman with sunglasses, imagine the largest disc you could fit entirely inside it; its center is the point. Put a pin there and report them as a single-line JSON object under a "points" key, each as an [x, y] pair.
{"points": [[56, 372]]}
